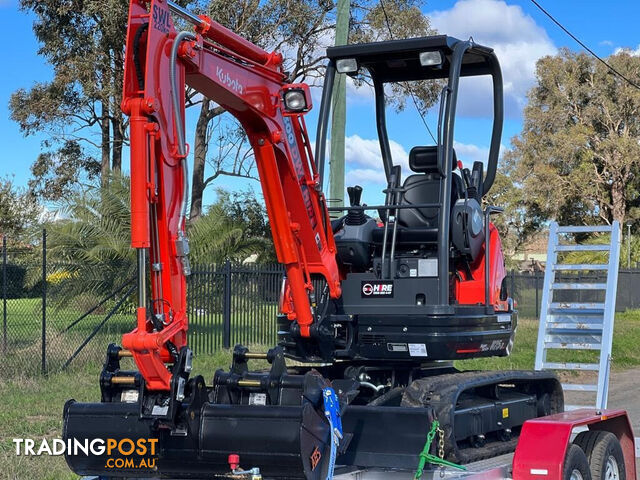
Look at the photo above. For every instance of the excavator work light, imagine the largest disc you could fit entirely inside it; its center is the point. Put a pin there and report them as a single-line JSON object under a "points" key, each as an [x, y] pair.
{"points": [[296, 98], [347, 65], [430, 59]]}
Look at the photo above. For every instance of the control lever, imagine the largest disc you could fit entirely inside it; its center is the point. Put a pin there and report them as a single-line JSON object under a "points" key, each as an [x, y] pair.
{"points": [[476, 180], [355, 194], [355, 217], [466, 175]]}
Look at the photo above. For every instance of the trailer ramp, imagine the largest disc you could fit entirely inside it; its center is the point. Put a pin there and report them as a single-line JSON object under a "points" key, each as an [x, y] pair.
{"points": [[578, 305]]}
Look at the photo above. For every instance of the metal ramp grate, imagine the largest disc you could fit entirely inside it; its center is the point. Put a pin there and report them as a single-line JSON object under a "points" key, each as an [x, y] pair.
{"points": [[578, 307]]}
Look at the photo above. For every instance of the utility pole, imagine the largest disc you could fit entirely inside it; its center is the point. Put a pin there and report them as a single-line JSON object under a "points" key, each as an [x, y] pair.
{"points": [[628, 245], [338, 118]]}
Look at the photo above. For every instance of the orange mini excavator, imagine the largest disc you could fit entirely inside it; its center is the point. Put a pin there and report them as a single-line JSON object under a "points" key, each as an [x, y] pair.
{"points": [[374, 311]]}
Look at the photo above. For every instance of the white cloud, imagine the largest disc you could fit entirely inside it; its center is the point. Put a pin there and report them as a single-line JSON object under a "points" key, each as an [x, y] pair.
{"points": [[469, 153], [364, 163], [517, 40], [630, 51], [361, 176], [363, 155]]}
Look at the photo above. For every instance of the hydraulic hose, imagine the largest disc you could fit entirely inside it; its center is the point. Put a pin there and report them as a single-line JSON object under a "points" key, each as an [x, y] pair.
{"points": [[182, 148]]}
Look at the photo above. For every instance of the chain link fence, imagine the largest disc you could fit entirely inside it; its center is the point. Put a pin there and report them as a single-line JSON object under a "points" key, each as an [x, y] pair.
{"points": [[526, 288], [44, 329]]}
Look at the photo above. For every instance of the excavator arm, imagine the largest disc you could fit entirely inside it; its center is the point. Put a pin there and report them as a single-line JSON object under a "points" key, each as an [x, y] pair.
{"points": [[250, 84]]}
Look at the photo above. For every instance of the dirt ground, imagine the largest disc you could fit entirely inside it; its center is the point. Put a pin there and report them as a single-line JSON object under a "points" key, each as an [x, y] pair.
{"points": [[624, 392]]}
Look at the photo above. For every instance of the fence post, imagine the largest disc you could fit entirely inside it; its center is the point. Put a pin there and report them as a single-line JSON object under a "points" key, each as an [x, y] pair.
{"points": [[44, 301], [226, 306], [4, 293]]}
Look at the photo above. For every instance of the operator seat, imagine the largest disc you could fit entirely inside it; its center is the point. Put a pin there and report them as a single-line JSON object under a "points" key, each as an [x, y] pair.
{"points": [[424, 187], [418, 226]]}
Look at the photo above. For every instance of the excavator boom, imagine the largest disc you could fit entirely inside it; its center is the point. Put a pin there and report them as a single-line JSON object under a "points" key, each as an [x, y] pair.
{"points": [[251, 85]]}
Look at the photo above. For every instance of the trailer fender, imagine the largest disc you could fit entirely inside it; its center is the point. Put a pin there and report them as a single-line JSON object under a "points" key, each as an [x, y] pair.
{"points": [[544, 441]]}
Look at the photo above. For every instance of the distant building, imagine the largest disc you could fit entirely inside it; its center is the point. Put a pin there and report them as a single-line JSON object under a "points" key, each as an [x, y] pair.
{"points": [[532, 256]]}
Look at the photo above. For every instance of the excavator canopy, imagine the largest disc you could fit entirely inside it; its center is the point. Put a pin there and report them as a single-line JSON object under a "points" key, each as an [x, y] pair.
{"points": [[412, 59]]}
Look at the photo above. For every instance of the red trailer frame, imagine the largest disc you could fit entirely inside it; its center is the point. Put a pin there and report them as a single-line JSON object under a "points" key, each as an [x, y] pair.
{"points": [[544, 441]]}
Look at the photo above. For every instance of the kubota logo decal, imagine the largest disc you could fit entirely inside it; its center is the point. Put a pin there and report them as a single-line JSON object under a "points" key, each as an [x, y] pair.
{"points": [[231, 83], [377, 289]]}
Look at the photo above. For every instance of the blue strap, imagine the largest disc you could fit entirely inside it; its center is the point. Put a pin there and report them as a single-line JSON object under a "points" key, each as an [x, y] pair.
{"points": [[332, 412]]}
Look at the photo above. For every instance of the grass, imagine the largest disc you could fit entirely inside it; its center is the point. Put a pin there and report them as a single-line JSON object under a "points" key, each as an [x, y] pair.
{"points": [[24, 331], [32, 405], [32, 408], [626, 338]]}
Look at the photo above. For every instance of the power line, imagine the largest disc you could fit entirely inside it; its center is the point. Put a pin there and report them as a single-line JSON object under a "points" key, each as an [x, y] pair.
{"points": [[413, 98], [582, 44]]}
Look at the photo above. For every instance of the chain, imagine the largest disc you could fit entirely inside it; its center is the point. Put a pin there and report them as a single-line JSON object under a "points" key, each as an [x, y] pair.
{"points": [[441, 448], [440, 442]]}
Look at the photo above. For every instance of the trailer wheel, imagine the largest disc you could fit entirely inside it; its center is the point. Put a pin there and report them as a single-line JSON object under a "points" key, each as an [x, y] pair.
{"points": [[604, 453], [576, 465]]}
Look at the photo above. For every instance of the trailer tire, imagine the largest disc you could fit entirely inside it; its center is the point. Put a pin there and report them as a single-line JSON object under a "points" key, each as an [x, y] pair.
{"points": [[576, 465], [604, 453]]}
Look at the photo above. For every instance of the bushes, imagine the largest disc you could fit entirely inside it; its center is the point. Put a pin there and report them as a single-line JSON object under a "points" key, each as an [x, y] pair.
{"points": [[17, 285]]}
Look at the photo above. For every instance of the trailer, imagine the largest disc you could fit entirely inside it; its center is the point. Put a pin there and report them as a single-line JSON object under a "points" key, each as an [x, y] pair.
{"points": [[576, 445]]}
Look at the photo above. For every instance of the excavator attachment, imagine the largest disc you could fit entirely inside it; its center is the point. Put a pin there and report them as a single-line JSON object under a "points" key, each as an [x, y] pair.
{"points": [[273, 420]]}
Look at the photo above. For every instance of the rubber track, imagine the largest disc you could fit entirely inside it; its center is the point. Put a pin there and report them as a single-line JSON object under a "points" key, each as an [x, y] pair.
{"points": [[442, 391]]}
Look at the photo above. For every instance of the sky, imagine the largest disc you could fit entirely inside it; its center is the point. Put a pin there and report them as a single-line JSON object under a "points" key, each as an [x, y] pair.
{"points": [[516, 29]]}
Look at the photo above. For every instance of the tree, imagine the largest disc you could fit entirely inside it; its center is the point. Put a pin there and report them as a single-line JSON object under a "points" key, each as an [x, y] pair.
{"points": [[243, 208], [516, 224], [301, 30], [18, 209], [395, 19], [216, 237], [56, 174], [577, 156], [92, 241], [84, 43]]}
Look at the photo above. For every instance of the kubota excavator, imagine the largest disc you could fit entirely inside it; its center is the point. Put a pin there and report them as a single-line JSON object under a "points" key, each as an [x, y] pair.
{"points": [[373, 310]]}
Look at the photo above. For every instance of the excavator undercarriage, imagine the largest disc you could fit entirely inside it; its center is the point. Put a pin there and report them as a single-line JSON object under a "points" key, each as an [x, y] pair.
{"points": [[275, 420]]}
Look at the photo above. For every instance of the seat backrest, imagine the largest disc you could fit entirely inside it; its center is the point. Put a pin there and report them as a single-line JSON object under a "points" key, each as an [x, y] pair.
{"points": [[424, 187]]}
